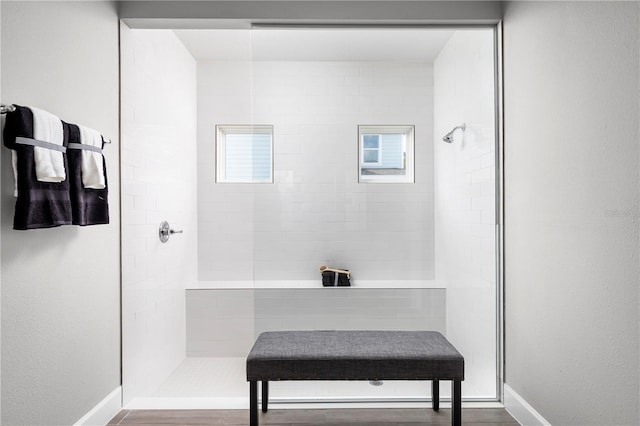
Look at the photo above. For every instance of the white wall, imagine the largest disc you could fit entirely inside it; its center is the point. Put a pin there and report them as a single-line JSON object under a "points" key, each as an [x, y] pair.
{"points": [[315, 213], [60, 286], [465, 202], [572, 204], [220, 323], [225, 323], [158, 183]]}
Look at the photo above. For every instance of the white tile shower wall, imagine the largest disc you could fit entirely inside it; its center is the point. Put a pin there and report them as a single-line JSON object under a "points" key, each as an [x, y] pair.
{"points": [[225, 323], [464, 200], [158, 183], [220, 323], [315, 212]]}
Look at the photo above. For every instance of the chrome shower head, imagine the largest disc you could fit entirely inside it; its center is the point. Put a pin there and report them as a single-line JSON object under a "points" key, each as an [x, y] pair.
{"points": [[448, 138]]}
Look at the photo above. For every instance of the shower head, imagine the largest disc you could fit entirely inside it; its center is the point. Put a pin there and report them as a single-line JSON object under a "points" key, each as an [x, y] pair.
{"points": [[448, 138]]}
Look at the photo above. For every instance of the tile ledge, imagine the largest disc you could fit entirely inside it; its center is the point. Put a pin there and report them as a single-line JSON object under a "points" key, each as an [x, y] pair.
{"points": [[311, 284]]}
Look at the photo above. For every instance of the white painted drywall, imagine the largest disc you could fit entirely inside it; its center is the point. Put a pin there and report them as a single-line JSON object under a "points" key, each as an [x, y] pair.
{"points": [[315, 212], [316, 44], [465, 202], [60, 286], [572, 205], [158, 183]]}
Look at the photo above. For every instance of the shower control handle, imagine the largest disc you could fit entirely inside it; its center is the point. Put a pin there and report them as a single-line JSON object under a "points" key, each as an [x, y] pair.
{"points": [[165, 231]]}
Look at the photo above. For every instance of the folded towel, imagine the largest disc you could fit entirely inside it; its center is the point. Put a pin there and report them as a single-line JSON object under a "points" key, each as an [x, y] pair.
{"points": [[39, 204], [92, 169], [89, 206], [333, 279], [49, 163]]}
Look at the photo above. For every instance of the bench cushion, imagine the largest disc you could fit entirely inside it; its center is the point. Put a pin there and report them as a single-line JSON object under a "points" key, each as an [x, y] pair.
{"points": [[354, 355]]}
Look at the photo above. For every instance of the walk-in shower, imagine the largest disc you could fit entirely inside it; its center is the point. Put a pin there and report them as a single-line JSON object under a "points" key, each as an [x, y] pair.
{"points": [[295, 148]]}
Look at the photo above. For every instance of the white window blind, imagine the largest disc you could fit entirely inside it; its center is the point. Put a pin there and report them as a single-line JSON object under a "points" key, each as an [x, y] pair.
{"points": [[244, 153]]}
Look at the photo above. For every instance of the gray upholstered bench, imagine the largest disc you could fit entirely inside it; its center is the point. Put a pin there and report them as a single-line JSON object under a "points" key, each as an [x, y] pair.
{"points": [[354, 355]]}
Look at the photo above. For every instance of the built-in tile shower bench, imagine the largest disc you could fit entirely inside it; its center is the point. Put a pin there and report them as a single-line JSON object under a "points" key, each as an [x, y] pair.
{"points": [[354, 355], [224, 318]]}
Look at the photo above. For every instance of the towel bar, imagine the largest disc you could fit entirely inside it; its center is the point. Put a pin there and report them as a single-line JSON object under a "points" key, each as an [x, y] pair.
{"points": [[4, 109]]}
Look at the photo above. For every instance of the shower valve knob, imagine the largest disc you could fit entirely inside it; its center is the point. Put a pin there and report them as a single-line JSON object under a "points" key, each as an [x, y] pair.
{"points": [[165, 231]]}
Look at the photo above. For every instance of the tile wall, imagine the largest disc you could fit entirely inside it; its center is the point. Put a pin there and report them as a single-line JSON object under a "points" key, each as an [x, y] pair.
{"points": [[225, 323], [158, 183], [315, 212]]}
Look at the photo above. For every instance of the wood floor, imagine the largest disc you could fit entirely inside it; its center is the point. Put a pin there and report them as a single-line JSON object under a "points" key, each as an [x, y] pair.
{"points": [[324, 417]]}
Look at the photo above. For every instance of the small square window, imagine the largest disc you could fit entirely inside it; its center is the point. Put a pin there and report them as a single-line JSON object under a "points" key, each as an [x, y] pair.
{"points": [[244, 153], [385, 153]]}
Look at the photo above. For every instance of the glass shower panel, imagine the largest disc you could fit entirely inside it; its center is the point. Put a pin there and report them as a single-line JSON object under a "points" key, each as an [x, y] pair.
{"points": [[317, 212], [465, 201], [317, 88]]}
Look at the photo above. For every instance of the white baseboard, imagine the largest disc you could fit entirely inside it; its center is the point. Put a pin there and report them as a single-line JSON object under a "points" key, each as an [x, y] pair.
{"points": [[520, 409], [188, 403], [104, 411]]}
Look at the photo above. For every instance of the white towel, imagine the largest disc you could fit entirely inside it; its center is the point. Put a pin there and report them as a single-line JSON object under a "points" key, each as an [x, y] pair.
{"points": [[14, 164], [91, 167], [49, 163]]}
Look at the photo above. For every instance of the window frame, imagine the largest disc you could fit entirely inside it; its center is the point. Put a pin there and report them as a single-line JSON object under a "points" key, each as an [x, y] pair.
{"points": [[408, 132], [378, 150], [221, 131]]}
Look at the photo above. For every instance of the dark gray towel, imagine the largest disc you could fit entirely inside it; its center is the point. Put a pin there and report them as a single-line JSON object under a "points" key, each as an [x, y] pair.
{"points": [[89, 206], [329, 279], [39, 204]]}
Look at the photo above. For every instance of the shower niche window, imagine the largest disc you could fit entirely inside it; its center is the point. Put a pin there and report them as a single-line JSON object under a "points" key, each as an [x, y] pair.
{"points": [[385, 153], [244, 153]]}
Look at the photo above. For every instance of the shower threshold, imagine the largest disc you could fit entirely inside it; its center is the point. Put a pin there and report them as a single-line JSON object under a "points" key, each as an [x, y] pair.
{"points": [[220, 383]]}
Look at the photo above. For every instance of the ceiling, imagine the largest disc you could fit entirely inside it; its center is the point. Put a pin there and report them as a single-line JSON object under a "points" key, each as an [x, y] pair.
{"points": [[317, 44]]}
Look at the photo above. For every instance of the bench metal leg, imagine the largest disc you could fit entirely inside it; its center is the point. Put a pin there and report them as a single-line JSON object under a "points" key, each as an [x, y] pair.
{"points": [[456, 403], [253, 403], [435, 395], [265, 396]]}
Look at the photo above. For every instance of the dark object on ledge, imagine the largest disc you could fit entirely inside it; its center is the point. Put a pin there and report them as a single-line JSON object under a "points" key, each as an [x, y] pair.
{"points": [[333, 279]]}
